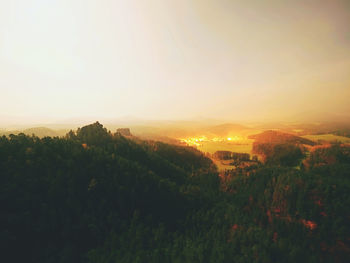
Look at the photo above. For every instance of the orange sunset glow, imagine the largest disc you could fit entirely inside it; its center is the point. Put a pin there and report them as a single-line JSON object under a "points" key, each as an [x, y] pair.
{"points": [[167, 131], [233, 60]]}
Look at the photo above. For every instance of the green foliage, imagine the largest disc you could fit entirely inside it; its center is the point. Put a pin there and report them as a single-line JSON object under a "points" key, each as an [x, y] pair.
{"points": [[93, 134], [94, 196], [336, 154], [279, 154]]}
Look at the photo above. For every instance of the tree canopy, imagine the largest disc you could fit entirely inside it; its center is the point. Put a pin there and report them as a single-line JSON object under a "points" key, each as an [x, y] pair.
{"points": [[95, 196]]}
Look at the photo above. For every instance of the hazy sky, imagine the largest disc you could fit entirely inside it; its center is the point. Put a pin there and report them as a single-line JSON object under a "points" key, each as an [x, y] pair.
{"points": [[164, 59]]}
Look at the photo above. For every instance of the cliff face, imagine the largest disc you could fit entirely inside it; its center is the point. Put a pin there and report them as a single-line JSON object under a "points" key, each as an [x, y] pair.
{"points": [[124, 131]]}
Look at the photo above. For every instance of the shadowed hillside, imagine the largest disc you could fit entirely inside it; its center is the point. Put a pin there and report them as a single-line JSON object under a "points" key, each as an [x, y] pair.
{"points": [[97, 196]]}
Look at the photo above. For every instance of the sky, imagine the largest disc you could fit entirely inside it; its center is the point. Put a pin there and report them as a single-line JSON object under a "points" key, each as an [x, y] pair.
{"points": [[173, 59]]}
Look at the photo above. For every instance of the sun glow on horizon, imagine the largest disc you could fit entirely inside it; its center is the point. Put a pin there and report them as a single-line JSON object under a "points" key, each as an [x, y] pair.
{"points": [[198, 141], [237, 60]]}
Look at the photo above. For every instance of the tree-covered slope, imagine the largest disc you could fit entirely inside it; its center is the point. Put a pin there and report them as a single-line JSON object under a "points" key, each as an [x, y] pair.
{"points": [[95, 196]]}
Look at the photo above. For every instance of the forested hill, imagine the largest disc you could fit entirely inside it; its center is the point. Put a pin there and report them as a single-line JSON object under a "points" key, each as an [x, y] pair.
{"points": [[277, 137], [62, 197], [95, 196]]}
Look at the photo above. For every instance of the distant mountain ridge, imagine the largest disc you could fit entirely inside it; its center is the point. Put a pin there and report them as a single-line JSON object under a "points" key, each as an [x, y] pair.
{"points": [[227, 128], [37, 131]]}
